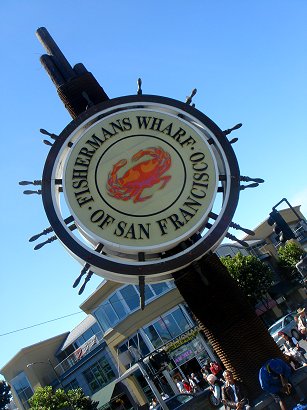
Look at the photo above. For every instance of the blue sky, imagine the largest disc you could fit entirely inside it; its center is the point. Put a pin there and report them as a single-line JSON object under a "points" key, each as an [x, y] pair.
{"points": [[248, 61]]}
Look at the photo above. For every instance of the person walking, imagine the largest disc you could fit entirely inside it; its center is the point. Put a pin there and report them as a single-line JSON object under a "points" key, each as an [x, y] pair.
{"points": [[187, 386], [293, 349], [215, 385], [216, 369], [302, 322], [193, 384], [180, 386], [275, 379], [234, 395]]}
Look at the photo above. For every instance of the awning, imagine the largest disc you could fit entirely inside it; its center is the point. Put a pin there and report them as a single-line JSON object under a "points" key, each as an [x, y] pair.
{"points": [[104, 395]]}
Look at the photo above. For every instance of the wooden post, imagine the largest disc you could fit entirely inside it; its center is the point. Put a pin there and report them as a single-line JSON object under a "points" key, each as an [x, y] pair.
{"points": [[76, 87], [230, 323]]}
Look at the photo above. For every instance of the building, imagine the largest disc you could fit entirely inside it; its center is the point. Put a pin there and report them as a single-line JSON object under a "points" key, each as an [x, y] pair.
{"points": [[101, 355]]}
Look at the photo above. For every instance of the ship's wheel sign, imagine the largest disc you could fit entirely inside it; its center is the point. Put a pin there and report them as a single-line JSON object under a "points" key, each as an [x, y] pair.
{"points": [[141, 177]]}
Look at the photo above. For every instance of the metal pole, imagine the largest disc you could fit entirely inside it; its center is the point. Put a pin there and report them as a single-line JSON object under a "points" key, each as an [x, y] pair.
{"points": [[152, 385], [170, 381], [291, 207]]}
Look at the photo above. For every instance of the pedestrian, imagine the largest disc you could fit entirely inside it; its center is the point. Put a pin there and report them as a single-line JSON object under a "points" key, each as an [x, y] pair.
{"points": [[275, 379], [180, 386], [193, 384], [216, 369], [215, 385], [187, 386], [153, 404], [293, 349], [205, 371], [197, 380], [234, 395], [302, 322]]}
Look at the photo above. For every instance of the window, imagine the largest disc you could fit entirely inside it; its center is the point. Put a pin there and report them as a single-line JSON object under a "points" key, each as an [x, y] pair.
{"points": [[96, 329], [131, 297], [72, 385], [168, 326], [148, 292], [99, 375], [159, 288], [111, 315], [172, 325], [118, 306], [153, 336], [23, 389], [181, 320], [101, 317], [136, 341], [126, 300], [162, 330]]}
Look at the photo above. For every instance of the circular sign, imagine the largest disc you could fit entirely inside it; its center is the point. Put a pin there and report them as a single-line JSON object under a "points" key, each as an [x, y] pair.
{"points": [[140, 180], [140, 186]]}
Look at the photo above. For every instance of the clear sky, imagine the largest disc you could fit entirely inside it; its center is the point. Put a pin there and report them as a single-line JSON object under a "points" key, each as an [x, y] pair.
{"points": [[246, 58]]}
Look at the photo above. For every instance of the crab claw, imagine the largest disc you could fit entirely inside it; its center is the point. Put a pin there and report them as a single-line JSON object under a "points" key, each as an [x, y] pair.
{"points": [[119, 164], [149, 151]]}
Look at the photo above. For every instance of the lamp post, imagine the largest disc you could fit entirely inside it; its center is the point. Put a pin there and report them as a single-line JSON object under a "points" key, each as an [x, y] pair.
{"points": [[56, 375]]}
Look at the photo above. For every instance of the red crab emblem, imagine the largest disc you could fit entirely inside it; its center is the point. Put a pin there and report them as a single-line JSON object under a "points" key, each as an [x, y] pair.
{"points": [[140, 176]]}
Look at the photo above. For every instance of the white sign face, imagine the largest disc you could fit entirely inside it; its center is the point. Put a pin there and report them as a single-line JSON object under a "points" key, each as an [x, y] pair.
{"points": [[140, 180]]}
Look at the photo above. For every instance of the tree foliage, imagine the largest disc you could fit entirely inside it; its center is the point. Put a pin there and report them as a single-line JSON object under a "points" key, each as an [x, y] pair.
{"points": [[5, 394], [289, 255], [252, 276], [49, 399]]}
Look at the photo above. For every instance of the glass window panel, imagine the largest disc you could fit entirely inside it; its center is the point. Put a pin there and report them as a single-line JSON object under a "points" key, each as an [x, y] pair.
{"points": [[23, 389], [102, 319], [161, 328], [181, 320], [140, 344], [148, 292], [131, 297], [172, 325], [87, 334], [111, 315], [118, 306], [95, 329], [153, 336], [98, 375], [159, 288]]}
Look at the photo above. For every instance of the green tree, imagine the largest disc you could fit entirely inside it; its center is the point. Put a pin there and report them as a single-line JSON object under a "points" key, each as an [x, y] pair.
{"points": [[289, 255], [49, 399], [252, 276], [5, 394]]}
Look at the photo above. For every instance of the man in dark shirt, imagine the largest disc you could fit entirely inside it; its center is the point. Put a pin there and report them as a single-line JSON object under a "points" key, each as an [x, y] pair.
{"points": [[234, 395]]}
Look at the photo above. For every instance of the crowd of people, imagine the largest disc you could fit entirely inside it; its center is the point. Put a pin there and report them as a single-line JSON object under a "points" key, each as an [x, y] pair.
{"points": [[274, 375], [295, 354], [225, 388]]}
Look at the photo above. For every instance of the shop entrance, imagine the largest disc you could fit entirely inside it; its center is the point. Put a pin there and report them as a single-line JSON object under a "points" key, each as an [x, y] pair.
{"points": [[192, 366]]}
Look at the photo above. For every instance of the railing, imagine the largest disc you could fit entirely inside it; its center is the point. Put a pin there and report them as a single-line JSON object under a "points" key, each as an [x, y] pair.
{"points": [[79, 353], [300, 233]]}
